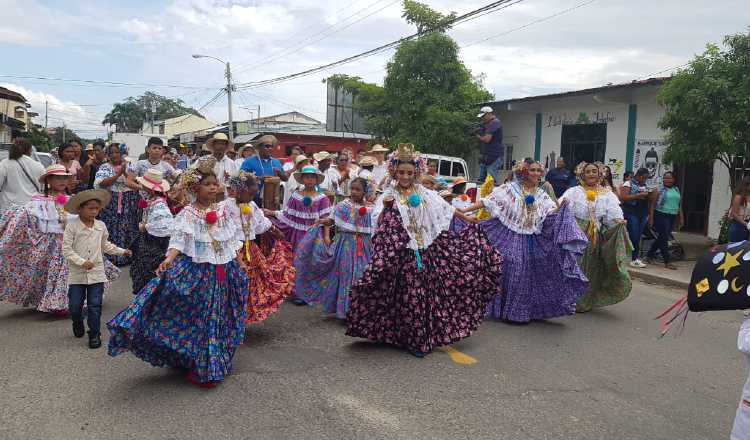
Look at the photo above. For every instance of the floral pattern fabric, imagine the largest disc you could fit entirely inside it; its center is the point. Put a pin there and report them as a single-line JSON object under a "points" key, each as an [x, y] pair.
{"points": [[298, 216], [189, 319], [397, 303], [271, 276], [326, 273]]}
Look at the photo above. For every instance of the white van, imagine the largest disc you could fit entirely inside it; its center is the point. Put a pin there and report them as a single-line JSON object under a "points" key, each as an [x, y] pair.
{"points": [[449, 167]]}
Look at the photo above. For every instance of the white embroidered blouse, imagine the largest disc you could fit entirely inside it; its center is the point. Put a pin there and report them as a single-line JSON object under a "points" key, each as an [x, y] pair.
{"points": [[203, 243], [157, 218], [251, 225], [425, 221], [50, 216], [508, 204], [605, 209]]}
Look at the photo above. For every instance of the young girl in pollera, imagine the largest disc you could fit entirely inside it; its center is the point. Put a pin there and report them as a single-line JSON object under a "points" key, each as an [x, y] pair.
{"points": [[33, 272], [271, 274], [327, 270], [192, 317]]}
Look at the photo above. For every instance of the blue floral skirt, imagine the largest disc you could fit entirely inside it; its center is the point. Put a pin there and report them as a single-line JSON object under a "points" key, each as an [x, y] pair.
{"points": [[122, 216], [186, 319]]}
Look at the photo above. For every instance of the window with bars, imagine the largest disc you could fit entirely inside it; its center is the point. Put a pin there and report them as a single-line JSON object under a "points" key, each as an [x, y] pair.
{"points": [[508, 157]]}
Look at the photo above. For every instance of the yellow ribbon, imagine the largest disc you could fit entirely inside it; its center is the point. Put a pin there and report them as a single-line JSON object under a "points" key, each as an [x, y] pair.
{"points": [[484, 191]]}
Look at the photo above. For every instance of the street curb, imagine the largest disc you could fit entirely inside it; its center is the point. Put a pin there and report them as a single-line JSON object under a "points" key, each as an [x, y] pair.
{"points": [[657, 279]]}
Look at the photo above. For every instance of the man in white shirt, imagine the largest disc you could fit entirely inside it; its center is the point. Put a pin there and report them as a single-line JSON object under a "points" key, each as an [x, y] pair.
{"points": [[342, 174], [323, 162], [19, 176], [289, 164], [225, 167], [381, 169]]}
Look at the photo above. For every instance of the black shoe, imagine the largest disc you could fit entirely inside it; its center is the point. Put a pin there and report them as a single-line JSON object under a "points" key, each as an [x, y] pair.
{"points": [[78, 329], [299, 302], [95, 340]]}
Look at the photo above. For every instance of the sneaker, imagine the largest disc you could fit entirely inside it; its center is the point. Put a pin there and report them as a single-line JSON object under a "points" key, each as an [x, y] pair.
{"points": [[641, 263], [78, 329], [95, 340], [637, 264]]}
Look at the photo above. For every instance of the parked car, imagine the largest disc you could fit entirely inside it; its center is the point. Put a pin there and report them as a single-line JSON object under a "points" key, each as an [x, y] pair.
{"points": [[450, 167]]}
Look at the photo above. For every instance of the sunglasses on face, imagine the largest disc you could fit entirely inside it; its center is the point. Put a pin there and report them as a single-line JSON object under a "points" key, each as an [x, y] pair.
{"points": [[267, 146]]}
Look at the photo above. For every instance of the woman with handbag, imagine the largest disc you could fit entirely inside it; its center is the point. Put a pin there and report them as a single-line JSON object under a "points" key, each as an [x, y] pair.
{"points": [[19, 176]]}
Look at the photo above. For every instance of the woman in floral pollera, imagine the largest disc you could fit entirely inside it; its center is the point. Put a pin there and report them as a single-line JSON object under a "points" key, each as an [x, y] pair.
{"points": [[425, 286]]}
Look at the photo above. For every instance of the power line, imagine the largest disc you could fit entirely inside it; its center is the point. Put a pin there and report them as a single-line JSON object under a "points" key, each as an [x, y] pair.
{"points": [[105, 83], [454, 21], [300, 46]]}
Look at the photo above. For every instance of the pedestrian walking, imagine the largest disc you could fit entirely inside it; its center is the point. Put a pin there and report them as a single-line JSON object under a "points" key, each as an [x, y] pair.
{"points": [[598, 213], [192, 317], [739, 212], [85, 240], [153, 230], [540, 244], [19, 176], [635, 205], [425, 286], [121, 215], [269, 265], [665, 214], [327, 268]]}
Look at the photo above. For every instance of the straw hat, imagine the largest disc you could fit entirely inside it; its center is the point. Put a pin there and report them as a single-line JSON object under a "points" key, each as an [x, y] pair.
{"points": [[154, 180], [377, 148], [218, 137], [245, 147], [54, 170], [267, 139], [367, 161], [321, 156], [89, 147], [309, 170], [299, 159], [82, 197], [458, 181]]}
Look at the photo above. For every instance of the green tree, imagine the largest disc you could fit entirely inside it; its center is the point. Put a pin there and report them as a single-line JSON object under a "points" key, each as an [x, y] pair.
{"points": [[428, 97], [130, 114], [425, 18], [40, 139], [707, 106]]}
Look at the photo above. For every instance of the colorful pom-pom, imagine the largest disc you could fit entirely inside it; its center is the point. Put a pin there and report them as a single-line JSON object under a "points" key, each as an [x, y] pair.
{"points": [[307, 200], [142, 204], [362, 211], [591, 195], [529, 199], [212, 217], [246, 209], [414, 200], [61, 199]]}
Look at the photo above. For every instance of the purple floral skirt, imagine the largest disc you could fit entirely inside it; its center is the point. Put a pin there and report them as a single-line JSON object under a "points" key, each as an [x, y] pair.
{"points": [[419, 309], [541, 277]]}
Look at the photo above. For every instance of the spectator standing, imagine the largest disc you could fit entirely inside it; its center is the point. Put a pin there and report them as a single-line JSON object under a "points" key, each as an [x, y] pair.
{"points": [[635, 205], [289, 164], [559, 177], [664, 214], [68, 154], [19, 176], [243, 153], [183, 160], [739, 214], [491, 153], [263, 165]]}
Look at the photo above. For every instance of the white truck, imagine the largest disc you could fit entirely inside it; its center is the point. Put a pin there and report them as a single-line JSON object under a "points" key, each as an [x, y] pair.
{"points": [[136, 142]]}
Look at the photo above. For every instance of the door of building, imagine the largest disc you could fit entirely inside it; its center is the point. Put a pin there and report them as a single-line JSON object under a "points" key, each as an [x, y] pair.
{"points": [[583, 143], [694, 182]]}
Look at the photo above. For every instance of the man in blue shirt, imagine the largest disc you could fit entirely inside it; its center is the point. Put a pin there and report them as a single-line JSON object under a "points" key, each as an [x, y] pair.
{"points": [[560, 177], [263, 165], [491, 152]]}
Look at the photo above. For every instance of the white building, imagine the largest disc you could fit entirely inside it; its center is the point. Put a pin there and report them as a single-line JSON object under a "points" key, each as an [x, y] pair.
{"points": [[172, 127], [617, 125]]}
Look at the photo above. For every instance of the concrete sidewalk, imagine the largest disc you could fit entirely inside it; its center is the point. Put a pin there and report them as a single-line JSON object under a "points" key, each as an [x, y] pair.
{"points": [[658, 274]]}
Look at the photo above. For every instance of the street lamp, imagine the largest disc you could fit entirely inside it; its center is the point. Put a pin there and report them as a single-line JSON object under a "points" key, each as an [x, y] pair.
{"points": [[228, 74]]}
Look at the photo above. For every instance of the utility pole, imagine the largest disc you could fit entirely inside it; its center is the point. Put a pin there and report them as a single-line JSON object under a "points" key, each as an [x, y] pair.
{"points": [[63, 137], [46, 111], [229, 101], [153, 110]]}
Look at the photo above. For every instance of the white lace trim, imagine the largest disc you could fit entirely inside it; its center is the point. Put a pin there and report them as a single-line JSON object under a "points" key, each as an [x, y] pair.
{"points": [[343, 225], [507, 204], [203, 243], [44, 209], [311, 215], [606, 207], [251, 225], [432, 216], [159, 219]]}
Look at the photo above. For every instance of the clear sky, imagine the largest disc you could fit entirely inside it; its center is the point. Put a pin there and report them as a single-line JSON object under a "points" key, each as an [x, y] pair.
{"points": [[151, 42]]}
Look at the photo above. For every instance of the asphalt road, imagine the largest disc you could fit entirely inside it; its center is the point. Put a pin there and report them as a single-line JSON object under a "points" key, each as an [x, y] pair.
{"points": [[603, 375]]}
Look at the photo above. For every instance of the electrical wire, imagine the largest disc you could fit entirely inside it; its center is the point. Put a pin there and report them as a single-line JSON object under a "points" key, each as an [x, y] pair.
{"points": [[105, 83]]}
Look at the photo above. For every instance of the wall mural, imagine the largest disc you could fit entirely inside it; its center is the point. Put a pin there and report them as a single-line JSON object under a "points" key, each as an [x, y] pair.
{"points": [[649, 154]]}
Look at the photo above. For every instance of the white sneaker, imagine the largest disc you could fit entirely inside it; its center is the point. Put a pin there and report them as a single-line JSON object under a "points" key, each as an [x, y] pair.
{"points": [[642, 264], [637, 264]]}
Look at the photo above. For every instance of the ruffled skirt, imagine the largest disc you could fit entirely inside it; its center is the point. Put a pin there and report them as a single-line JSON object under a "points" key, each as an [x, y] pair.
{"points": [[122, 216], [271, 278], [33, 271], [605, 265], [541, 277], [397, 303], [327, 273], [188, 319]]}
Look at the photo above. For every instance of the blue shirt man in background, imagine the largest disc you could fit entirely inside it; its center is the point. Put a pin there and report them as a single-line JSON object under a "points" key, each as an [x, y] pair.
{"points": [[491, 151], [263, 165], [560, 177]]}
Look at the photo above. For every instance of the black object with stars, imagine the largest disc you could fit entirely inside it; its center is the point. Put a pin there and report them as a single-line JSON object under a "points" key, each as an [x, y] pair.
{"points": [[721, 279]]}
